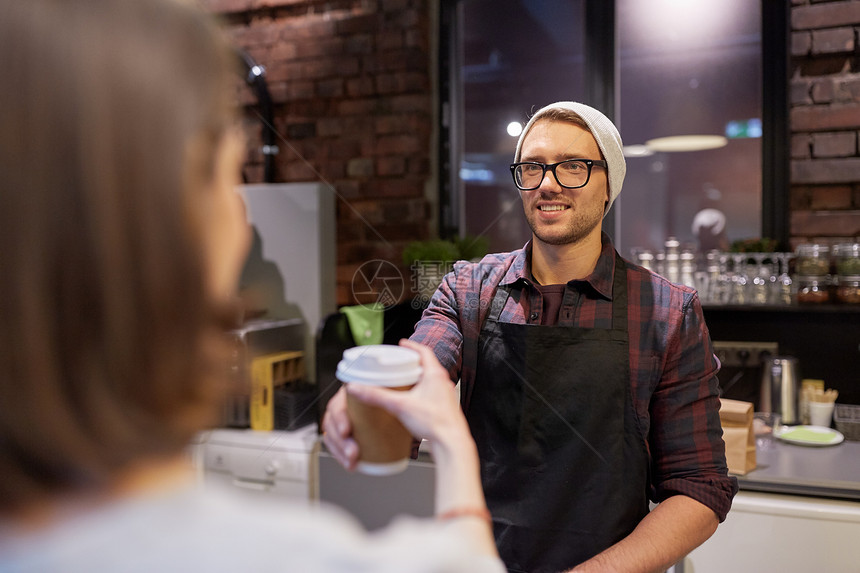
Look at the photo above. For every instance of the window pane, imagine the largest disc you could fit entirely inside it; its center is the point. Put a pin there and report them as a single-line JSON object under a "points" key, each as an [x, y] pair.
{"points": [[689, 67], [518, 55]]}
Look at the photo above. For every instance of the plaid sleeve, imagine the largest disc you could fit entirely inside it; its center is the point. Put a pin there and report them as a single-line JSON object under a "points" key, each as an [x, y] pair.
{"points": [[451, 324], [439, 327], [686, 441]]}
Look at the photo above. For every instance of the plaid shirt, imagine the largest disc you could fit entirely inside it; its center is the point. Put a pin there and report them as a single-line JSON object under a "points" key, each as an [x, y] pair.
{"points": [[672, 366]]}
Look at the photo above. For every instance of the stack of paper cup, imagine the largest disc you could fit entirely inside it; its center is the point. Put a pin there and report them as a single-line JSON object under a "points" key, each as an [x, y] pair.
{"points": [[384, 444], [821, 405], [821, 413]]}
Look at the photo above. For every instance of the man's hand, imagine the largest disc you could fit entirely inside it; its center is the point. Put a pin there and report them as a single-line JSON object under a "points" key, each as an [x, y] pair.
{"points": [[337, 431]]}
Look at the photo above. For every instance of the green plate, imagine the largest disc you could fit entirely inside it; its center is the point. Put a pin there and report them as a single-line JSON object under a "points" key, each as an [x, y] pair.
{"points": [[810, 435]]}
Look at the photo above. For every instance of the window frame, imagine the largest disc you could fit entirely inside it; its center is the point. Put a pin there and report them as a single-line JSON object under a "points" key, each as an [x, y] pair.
{"points": [[601, 88]]}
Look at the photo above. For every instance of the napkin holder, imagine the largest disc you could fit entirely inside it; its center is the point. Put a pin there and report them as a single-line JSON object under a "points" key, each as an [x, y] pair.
{"points": [[736, 417]]}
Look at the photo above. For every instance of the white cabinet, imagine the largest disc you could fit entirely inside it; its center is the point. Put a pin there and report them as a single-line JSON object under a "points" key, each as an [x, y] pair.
{"points": [[282, 466], [785, 533]]}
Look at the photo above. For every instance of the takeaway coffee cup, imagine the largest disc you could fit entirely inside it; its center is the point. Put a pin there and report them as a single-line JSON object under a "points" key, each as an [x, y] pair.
{"points": [[384, 444]]}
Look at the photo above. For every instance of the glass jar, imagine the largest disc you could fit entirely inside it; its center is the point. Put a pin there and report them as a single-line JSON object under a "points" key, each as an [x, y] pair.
{"points": [[847, 257], [672, 261], [644, 257], [812, 289], [848, 289], [688, 268], [812, 260]]}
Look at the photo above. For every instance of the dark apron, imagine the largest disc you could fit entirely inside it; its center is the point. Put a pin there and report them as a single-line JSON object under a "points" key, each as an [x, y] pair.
{"points": [[563, 464]]}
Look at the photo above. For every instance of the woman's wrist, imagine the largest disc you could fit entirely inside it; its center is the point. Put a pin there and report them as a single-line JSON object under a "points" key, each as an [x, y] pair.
{"points": [[454, 447], [458, 474], [452, 436], [480, 512], [459, 495]]}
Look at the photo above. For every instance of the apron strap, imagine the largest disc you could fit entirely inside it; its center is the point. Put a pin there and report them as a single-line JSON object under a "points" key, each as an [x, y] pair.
{"points": [[619, 295], [471, 351]]}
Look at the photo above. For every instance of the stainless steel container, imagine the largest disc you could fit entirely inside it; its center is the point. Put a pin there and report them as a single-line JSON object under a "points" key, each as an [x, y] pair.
{"points": [[780, 388]]}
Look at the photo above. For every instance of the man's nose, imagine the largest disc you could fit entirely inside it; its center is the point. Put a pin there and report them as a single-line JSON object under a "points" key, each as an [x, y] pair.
{"points": [[550, 183]]}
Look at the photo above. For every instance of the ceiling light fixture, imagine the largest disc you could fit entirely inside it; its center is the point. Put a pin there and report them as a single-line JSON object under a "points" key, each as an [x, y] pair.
{"points": [[637, 150], [515, 128], [686, 143]]}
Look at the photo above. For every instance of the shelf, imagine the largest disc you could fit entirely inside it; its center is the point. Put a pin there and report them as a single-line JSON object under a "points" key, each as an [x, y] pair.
{"points": [[824, 338], [792, 308]]}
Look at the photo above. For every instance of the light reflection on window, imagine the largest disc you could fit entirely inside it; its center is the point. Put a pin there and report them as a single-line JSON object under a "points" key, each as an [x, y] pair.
{"points": [[686, 68], [689, 67], [518, 55]]}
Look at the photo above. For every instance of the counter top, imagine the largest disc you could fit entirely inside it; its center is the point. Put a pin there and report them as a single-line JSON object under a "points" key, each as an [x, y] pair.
{"points": [[831, 471]]}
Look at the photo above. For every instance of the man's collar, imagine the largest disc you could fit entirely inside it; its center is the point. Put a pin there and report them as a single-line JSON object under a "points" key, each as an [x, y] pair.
{"points": [[519, 269], [600, 278]]}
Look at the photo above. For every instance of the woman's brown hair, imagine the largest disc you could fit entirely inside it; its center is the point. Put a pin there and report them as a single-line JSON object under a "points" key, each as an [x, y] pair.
{"points": [[110, 113]]}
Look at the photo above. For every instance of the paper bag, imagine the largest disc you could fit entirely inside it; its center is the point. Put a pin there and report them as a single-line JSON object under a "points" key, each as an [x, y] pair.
{"points": [[736, 418]]}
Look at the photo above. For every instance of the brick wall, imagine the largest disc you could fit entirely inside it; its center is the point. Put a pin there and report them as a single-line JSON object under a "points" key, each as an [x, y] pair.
{"points": [[353, 104], [825, 120], [351, 83]]}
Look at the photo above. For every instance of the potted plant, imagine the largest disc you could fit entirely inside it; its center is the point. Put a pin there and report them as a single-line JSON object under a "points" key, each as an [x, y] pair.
{"points": [[429, 261]]}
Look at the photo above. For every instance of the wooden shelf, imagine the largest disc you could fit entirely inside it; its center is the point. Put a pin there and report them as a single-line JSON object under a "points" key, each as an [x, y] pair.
{"points": [[786, 308]]}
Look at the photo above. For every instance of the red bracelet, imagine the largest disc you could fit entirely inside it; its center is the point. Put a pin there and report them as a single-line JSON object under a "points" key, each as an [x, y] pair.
{"points": [[480, 512]]}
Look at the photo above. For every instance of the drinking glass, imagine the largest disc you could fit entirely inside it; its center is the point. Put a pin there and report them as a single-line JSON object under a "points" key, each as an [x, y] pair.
{"points": [[740, 279], [760, 281], [720, 285], [781, 291]]}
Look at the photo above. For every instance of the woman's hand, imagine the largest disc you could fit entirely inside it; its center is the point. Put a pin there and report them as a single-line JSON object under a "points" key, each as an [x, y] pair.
{"points": [[430, 409]]}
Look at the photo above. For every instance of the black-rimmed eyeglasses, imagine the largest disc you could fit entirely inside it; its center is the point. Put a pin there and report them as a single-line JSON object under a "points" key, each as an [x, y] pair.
{"points": [[570, 174]]}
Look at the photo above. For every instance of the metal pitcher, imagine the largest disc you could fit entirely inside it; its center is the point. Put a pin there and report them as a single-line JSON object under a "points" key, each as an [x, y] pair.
{"points": [[780, 388]]}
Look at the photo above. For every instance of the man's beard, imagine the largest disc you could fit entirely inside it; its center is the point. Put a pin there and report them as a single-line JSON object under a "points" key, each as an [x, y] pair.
{"points": [[579, 227]]}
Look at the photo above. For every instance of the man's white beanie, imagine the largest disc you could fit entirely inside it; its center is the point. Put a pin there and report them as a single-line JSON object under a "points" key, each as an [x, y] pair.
{"points": [[603, 130]]}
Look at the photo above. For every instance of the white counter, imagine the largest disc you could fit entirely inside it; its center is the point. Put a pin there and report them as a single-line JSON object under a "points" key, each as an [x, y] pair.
{"points": [[798, 511], [782, 533]]}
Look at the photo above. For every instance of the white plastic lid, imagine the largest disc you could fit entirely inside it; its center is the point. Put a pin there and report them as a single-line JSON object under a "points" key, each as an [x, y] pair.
{"points": [[380, 365]]}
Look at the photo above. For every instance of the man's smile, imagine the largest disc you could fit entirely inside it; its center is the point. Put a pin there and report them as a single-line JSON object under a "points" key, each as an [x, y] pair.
{"points": [[553, 207]]}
